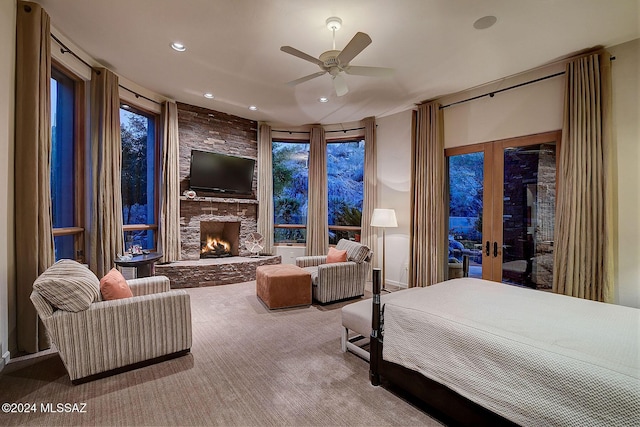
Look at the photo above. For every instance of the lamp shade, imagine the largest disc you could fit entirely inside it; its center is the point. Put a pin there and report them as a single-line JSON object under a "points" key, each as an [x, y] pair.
{"points": [[384, 218]]}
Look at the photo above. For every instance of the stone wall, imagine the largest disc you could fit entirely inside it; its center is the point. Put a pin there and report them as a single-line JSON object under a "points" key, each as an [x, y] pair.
{"points": [[207, 130], [545, 217], [193, 211], [529, 212]]}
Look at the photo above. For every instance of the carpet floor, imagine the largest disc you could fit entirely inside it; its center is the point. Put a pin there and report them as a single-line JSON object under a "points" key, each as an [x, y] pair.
{"points": [[248, 366]]}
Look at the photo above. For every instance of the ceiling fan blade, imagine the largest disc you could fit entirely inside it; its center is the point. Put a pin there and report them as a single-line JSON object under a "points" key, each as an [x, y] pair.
{"points": [[295, 52], [369, 71], [305, 78], [354, 47], [340, 85]]}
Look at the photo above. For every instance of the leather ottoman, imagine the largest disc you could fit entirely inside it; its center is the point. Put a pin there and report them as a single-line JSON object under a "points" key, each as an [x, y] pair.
{"points": [[283, 285]]}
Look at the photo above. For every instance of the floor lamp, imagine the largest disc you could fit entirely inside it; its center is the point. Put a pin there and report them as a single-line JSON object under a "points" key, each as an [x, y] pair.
{"points": [[383, 218]]}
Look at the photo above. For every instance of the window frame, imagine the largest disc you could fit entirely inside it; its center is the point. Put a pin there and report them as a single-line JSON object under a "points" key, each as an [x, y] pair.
{"points": [[79, 139], [347, 139], [290, 226], [157, 162], [347, 228]]}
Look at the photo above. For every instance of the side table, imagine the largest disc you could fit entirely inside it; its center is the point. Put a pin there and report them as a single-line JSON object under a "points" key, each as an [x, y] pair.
{"points": [[144, 264]]}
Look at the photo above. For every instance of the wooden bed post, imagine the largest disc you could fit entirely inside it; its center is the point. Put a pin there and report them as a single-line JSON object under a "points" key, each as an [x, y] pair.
{"points": [[375, 342]]}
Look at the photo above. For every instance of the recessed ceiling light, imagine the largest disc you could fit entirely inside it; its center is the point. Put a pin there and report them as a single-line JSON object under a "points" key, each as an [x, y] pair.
{"points": [[208, 95], [125, 106], [178, 46], [323, 99], [253, 108], [485, 22]]}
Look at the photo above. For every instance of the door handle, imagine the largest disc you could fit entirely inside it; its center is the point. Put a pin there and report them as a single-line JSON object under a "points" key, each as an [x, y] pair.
{"points": [[495, 249], [488, 250]]}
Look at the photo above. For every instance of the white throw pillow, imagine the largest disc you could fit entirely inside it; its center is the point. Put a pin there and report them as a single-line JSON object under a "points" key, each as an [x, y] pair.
{"points": [[69, 286]]}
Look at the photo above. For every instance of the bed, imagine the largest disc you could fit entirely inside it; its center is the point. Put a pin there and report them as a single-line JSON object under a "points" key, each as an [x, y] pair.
{"points": [[477, 352]]}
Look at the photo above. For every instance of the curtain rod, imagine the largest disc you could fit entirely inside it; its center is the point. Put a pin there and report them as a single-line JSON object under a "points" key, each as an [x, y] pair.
{"points": [[64, 49], [139, 95], [326, 131], [291, 131], [492, 94]]}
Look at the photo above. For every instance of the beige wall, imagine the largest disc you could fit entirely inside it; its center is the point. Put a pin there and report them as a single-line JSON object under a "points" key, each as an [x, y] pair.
{"points": [[394, 186], [290, 253], [7, 88], [527, 110], [530, 109], [626, 96]]}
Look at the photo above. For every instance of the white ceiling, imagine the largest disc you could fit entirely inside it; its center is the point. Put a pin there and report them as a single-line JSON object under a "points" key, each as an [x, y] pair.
{"points": [[233, 47]]}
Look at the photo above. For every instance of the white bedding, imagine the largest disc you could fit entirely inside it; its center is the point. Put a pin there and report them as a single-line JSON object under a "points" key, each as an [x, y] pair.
{"points": [[534, 357]]}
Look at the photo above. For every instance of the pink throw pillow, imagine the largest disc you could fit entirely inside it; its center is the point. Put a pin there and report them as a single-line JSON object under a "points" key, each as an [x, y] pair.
{"points": [[335, 255], [114, 286]]}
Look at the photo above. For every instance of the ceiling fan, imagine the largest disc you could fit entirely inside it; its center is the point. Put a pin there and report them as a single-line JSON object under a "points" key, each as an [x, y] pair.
{"points": [[336, 62]]}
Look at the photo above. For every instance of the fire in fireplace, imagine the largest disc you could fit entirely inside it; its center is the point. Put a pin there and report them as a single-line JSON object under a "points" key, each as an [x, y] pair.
{"points": [[219, 239], [215, 248]]}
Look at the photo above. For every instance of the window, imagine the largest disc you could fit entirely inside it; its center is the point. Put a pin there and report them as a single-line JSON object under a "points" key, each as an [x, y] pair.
{"points": [[66, 166], [290, 187], [345, 182], [139, 169], [466, 198], [345, 189]]}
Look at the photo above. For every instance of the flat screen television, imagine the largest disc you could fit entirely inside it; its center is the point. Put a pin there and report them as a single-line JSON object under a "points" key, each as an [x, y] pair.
{"points": [[221, 173]]}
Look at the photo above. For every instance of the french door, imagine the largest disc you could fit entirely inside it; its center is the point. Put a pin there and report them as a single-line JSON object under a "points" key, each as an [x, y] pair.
{"points": [[502, 208]]}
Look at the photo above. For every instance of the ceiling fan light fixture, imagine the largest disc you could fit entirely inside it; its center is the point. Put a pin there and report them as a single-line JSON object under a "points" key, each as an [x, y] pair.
{"points": [[337, 62], [334, 23]]}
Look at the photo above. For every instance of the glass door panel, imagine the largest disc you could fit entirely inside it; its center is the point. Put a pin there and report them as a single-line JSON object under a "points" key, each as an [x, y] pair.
{"points": [[466, 201], [502, 209], [528, 213]]}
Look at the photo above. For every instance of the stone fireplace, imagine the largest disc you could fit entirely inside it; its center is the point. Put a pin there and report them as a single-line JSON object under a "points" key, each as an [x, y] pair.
{"points": [[219, 239], [212, 218], [208, 130], [230, 220]]}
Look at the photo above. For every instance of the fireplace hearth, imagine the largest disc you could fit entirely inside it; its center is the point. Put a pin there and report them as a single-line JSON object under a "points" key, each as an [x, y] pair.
{"points": [[213, 271]]}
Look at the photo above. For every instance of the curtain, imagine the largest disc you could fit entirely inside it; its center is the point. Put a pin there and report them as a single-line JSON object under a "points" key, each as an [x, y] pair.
{"points": [[33, 221], [265, 186], [427, 253], [169, 230], [106, 239], [368, 234], [583, 253], [317, 211]]}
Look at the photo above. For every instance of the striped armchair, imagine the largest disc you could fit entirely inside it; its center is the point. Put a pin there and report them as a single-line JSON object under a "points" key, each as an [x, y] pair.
{"points": [[111, 336], [340, 280]]}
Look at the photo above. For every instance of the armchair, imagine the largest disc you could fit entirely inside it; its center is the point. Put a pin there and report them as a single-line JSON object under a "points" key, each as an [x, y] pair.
{"points": [[111, 336], [340, 280]]}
